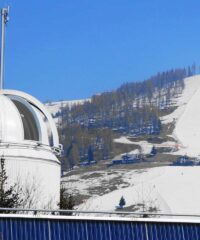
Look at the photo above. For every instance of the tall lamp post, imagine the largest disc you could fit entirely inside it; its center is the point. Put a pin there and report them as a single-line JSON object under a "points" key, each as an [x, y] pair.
{"points": [[4, 21]]}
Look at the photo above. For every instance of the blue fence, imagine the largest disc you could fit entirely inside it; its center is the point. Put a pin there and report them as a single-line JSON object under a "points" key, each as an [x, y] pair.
{"points": [[76, 228]]}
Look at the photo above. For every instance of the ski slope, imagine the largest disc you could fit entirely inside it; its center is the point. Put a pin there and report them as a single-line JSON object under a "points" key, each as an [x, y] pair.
{"points": [[187, 118], [168, 189]]}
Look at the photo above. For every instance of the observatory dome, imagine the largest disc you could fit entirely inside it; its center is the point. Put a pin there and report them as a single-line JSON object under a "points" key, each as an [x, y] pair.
{"points": [[30, 145], [23, 118]]}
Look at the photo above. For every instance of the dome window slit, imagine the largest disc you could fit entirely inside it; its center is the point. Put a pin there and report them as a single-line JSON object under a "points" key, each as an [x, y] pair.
{"points": [[30, 127]]}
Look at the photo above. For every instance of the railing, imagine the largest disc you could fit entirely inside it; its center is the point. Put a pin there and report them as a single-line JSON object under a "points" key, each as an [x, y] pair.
{"points": [[78, 225], [95, 213], [29, 144]]}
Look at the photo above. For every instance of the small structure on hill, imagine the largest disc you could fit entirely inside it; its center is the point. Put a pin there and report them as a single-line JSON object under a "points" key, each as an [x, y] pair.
{"points": [[127, 158], [153, 151], [184, 161]]}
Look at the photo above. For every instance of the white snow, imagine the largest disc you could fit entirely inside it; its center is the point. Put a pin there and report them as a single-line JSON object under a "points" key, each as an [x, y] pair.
{"points": [[55, 107], [133, 152], [123, 140], [187, 118], [145, 146], [170, 189], [192, 84], [187, 128], [86, 183]]}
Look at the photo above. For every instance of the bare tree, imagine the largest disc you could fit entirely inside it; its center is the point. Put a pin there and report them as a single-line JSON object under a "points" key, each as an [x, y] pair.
{"points": [[10, 195]]}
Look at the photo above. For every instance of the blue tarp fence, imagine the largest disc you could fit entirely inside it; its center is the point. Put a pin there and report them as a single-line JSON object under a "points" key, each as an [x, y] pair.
{"points": [[76, 228]]}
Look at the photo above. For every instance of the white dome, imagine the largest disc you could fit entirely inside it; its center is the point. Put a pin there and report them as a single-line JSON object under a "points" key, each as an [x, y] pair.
{"points": [[11, 127], [29, 143], [23, 118]]}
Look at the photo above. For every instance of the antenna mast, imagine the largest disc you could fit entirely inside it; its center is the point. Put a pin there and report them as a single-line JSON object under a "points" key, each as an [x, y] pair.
{"points": [[4, 21]]}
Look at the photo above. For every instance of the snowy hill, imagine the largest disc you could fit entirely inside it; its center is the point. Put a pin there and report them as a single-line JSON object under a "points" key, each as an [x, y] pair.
{"points": [[166, 189], [55, 107], [187, 118], [148, 189]]}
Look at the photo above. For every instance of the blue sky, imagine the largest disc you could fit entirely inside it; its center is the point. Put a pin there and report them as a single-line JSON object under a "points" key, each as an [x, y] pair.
{"points": [[72, 49]]}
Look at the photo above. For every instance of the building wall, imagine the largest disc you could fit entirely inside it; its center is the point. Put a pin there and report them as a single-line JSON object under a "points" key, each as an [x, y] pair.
{"points": [[39, 179]]}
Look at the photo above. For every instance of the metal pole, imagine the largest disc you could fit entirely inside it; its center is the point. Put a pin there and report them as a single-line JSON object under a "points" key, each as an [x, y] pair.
{"points": [[4, 20]]}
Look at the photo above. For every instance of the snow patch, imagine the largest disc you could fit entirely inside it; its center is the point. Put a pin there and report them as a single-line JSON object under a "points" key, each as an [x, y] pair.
{"points": [[192, 84], [169, 189], [144, 145], [123, 140]]}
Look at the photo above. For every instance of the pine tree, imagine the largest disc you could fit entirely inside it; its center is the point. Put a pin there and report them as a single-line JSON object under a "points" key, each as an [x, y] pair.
{"points": [[67, 201], [90, 155], [122, 202], [72, 155], [9, 194]]}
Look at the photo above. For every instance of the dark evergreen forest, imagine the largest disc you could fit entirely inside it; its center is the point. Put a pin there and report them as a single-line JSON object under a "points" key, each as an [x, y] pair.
{"points": [[134, 109]]}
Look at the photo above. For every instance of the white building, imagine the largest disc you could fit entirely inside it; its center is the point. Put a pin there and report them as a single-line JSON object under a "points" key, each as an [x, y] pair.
{"points": [[29, 143]]}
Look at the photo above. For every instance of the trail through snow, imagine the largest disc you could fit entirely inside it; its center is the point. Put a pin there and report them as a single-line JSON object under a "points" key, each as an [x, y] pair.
{"points": [[187, 118], [187, 128]]}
